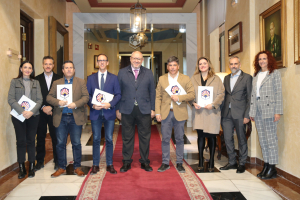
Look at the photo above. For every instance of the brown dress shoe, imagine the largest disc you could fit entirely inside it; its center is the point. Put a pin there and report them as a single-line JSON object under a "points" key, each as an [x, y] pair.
{"points": [[95, 169], [59, 172], [111, 169], [79, 172]]}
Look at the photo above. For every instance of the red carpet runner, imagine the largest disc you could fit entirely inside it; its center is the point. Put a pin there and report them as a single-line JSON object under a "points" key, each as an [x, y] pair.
{"points": [[136, 183]]}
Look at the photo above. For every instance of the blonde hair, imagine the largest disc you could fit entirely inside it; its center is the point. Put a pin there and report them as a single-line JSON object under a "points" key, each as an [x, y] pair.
{"points": [[211, 70]]}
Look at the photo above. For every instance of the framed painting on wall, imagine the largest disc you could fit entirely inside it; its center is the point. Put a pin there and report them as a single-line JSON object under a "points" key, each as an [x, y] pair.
{"points": [[235, 39], [272, 24], [95, 62]]}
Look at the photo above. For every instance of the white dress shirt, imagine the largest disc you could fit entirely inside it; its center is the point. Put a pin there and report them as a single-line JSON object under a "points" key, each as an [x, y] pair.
{"points": [[233, 80], [172, 80], [261, 76], [48, 79], [99, 77]]}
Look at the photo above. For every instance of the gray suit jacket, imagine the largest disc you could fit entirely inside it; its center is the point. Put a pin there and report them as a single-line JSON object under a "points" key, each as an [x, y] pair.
{"points": [[17, 90], [270, 95], [239, 97], [142, 90]]}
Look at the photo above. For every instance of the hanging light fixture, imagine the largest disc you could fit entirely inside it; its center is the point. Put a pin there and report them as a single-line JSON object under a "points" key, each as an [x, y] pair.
{"points": [[138, 18]]}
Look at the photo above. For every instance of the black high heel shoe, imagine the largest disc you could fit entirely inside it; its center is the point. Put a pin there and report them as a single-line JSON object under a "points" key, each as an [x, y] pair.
{"points": [[263, 171], [270, 173]]}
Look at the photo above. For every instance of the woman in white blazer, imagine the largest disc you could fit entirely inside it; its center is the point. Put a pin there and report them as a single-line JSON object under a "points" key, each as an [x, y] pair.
{"points": [[266, 109]]}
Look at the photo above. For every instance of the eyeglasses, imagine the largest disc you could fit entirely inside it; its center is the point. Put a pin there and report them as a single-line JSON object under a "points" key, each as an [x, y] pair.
{"points": [[138, 59], [102, 60]]}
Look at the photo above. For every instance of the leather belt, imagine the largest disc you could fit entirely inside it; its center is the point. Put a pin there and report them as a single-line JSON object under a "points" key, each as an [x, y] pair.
{"points": [[171, 110], [67, 113]]}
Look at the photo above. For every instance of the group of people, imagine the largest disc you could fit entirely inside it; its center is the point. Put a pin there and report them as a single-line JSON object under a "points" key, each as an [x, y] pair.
{"points": [[136, 102]]}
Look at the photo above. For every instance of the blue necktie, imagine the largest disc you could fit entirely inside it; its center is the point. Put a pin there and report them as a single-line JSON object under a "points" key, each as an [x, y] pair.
{"points": [[102, 82], [102, 86]]}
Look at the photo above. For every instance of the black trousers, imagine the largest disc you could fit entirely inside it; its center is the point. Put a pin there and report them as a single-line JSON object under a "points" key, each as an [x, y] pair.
{"points": [[25, 136], [41, 136], [143, 122]]}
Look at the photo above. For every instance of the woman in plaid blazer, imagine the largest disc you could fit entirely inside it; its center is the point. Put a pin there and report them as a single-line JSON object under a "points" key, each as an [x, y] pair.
{"points": [[266, 109]]}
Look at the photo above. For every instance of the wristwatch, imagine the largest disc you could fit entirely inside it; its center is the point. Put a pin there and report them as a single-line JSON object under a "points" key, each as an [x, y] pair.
{"points": [[213, 106]]}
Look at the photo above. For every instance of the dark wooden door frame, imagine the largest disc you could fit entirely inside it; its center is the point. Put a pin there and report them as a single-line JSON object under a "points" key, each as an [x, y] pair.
{"points": [[54, 26], [27, 22]]}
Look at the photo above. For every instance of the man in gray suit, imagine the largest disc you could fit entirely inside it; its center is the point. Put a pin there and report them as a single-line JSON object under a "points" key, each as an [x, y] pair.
{"points": [[137, 106], [235, 113]]}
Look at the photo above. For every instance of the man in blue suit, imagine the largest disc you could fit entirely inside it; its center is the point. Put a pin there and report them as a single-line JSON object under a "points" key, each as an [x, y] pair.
{"points": [[136, 107], [103, 114]]}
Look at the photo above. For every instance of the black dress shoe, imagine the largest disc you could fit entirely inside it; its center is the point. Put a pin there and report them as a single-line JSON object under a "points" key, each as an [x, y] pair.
{"points": [[95, 169], [125, 167], [180, 168], [31, 172], [163, 167], [22, 171], [240, 169], [264, 170], [229, 166], [270, 173], [111, 169], [146, 167], [39, 165]]}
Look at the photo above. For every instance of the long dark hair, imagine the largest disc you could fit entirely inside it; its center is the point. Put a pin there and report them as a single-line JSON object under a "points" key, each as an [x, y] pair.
{"points": [[32, 75], [271, 62]]}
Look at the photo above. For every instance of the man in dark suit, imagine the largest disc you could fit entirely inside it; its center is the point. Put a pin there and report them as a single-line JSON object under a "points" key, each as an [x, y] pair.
{"points": [[69, 118], [235, 113], [46, 79], [136, 107], [104, 113]]}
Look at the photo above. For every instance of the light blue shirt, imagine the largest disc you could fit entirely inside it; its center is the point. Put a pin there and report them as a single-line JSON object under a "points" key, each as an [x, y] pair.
{"points": [[233, 80]]}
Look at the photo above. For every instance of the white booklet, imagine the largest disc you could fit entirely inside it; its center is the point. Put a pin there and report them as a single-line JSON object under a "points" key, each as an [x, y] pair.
{"points": [[205, 95], [175, 89], [100, 97], [27, 104], [64, 93]]}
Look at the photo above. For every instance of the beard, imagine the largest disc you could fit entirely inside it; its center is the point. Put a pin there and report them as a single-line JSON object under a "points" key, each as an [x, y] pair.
{"points": [[234, 70]]}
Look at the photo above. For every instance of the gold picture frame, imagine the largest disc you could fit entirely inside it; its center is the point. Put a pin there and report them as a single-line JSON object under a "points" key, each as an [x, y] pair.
{"points": [[272, 28], [297, 31], [95, 62]]}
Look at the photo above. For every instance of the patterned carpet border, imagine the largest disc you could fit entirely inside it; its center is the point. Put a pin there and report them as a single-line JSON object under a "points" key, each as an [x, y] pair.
{"points": [[193, 184], [91, 186]]}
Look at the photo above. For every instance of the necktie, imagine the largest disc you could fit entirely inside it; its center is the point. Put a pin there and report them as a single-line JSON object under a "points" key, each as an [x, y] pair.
{"points": [[101, 87], [136, 73], [102, 82]]}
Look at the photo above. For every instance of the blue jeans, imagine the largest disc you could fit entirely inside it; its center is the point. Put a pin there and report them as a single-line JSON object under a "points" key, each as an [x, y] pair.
{"points": [[109, 129], [68, 125]]}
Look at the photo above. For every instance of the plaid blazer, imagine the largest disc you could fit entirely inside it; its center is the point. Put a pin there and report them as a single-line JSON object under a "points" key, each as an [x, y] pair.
{"points": [[270, 95]]}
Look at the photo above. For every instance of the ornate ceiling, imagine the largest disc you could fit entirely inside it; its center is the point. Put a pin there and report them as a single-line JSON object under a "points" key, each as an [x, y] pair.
{"points": [[123, 6]]}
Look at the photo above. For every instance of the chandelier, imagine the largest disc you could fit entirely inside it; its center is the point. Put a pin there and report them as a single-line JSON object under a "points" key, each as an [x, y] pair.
{"points": [[138, 40], [138, 18], [138, 24]]}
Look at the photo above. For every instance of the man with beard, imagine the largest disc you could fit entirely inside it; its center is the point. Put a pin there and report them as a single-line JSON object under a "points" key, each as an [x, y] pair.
{"points": [[235, 113]]}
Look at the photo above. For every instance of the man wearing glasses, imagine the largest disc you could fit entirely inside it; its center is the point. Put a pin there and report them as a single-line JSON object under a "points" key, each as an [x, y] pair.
{"points": [[103, 114], [136, 107]]}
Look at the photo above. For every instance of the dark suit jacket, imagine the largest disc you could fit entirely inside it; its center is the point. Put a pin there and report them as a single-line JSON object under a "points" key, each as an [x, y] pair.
{"points": [[80, 98], [142, 90], [44, 88], [111, 86], [239, 97]]}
